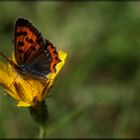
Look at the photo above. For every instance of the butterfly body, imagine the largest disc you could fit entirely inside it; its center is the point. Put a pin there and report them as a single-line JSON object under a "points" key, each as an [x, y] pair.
{"points": [[35, 56]]}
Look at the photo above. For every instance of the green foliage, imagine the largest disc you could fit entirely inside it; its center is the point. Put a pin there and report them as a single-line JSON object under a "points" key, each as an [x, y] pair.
{"points": [[97, 91]]}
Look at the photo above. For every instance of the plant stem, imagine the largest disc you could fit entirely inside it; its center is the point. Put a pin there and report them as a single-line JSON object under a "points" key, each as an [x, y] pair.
{"points": [[41, 131]]}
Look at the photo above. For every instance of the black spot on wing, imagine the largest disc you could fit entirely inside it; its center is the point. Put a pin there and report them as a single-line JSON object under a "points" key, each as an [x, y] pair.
{"points": [[21, 33], [20, 43], [29, 40]]}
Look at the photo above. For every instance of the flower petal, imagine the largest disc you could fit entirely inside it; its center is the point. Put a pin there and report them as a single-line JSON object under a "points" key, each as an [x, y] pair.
{"points": [[23, 104]]}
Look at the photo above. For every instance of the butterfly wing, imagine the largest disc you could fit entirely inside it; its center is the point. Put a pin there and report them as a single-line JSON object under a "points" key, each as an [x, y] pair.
{"points": [[34, 55], [46, 60], [27, 40]]}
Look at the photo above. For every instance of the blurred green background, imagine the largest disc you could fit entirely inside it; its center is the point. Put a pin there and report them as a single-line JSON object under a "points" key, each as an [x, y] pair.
{"points": [[97, 93]]}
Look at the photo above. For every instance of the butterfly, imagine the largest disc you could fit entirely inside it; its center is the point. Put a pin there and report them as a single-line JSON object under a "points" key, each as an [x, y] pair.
{"points": [[35, 56]]}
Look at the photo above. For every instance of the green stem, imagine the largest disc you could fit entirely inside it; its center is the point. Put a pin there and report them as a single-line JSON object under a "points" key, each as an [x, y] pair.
{"points": [[41, 131]]}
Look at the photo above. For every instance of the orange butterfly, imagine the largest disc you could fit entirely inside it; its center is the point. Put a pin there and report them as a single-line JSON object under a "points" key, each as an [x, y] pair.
{"points": [[35, 56]]}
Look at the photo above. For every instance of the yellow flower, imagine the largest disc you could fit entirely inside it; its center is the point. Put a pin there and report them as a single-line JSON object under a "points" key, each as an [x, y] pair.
{"points": [[27, 93]]}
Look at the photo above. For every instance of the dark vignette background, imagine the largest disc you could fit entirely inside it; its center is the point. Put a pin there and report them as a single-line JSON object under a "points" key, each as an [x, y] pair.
{"points": [[97, 91]]}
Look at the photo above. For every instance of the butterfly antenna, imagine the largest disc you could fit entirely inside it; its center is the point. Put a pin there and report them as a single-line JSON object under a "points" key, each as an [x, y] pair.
{"points": [[7, 59]]}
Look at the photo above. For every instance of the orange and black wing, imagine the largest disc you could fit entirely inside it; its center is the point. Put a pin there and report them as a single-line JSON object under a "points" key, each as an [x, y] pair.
{"points": [[27, 40], [54, 56], [38, 57]]}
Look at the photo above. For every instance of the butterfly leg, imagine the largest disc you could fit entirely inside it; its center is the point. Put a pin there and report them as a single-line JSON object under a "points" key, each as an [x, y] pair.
{"points": [[45, 78]]}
